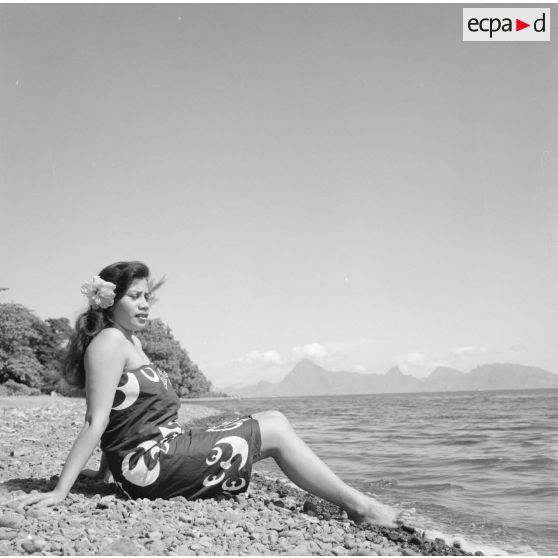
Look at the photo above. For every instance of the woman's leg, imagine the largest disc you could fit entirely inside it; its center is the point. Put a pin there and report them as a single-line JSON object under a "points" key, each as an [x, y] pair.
{"points": [[310, 473]]}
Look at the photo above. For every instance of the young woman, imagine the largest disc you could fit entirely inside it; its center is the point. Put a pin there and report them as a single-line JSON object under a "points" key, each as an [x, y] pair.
{"points": [[132, 410]]}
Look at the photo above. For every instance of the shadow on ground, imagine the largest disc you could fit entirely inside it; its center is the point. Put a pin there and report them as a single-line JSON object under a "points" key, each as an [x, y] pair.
{"points": [[85, 487]]}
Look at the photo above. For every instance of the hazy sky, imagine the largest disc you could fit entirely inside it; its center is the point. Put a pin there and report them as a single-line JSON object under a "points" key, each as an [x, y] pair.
{"points": [[351, 183]]}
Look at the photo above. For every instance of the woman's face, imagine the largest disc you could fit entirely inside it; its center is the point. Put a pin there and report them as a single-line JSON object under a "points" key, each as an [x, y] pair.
{"points": [[132, 310]]}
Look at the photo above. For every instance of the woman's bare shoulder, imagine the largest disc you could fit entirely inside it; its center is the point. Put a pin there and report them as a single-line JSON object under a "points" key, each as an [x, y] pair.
{"points": [[109, 339]]}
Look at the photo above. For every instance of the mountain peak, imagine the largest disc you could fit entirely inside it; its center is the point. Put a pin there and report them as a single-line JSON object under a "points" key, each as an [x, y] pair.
{"points": [[306, 365], [394, 372]]}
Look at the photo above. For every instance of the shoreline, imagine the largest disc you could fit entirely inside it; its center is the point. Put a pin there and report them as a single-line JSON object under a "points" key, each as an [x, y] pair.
{"points": [[274, 518]]}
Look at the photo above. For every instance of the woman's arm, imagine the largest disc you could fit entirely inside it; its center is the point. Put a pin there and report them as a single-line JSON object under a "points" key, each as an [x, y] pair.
{"points": [[80, 453], [105, 360]]}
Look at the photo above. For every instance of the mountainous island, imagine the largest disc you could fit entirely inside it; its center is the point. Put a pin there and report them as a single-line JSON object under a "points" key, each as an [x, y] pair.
{"points": [[307, 378]]}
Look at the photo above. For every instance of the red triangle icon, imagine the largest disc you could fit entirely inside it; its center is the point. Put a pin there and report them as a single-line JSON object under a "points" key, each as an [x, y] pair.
{"points": [[519, 25]]}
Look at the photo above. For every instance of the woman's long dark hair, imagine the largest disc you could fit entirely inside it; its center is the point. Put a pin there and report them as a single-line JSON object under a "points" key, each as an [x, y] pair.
{"points": [[94, 320]]}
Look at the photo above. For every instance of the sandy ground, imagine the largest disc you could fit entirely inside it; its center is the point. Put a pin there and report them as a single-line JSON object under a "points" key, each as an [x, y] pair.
{"points": [[274, 518], [31, 401]]}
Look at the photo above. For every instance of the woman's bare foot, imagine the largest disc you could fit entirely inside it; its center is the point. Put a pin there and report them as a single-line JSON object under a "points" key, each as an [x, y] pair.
{"points": [[372, 511]]}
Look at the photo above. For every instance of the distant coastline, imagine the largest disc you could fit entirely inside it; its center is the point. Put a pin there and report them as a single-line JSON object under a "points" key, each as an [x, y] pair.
{"points": [[214, 398], [394, 393], [307, 378]]}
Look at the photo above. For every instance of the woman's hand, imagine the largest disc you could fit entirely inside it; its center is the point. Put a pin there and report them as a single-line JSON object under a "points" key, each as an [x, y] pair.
{"points": [[90, 474], [41, 499], [106, 475]]}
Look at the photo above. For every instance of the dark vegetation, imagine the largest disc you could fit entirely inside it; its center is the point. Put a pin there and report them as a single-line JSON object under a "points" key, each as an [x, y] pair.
{"points": [[32, 352]]}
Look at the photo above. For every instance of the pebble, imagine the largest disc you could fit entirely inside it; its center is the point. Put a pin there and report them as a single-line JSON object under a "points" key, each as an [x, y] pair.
{"points": [[72, 534], [33, 544], [7, 534], [120, 547], [365, 552], [276, 526], [154, 535], [36, 513], [113, 515], [349, 543], [300, 550], [11, 520], [259, 549], [428, 536], [183, 550], [156, 547], [310, 508], [69, 550], [373, 546], [83, 548], [230, 515]]}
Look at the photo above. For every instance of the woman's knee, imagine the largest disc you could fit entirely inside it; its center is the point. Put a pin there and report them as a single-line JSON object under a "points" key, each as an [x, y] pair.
{"points": [[275, 420], [275, 428], [277, 416]]}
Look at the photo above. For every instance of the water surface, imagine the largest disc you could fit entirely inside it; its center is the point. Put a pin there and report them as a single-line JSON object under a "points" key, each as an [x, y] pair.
{"points": [[483, 465]]}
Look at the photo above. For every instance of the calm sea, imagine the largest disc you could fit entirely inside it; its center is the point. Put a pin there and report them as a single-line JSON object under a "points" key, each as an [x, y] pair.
{"points": [[479, 465]]}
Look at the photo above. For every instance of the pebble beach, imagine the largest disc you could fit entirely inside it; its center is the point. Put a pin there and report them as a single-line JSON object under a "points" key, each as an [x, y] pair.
{"points": [[273, 518]]}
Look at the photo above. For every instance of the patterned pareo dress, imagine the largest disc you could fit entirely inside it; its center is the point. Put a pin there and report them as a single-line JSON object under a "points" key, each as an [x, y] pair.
{"points": [[151, 456]]}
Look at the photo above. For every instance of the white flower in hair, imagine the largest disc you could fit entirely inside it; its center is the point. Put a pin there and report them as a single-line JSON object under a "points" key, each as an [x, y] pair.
{"points": [[99, 292]]}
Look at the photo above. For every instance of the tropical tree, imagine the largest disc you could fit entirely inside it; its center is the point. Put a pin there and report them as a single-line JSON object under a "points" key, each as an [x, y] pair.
{"points": [[50, 350], [19, 336], [31, 350]]}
